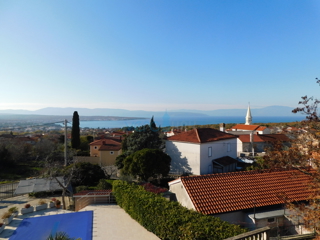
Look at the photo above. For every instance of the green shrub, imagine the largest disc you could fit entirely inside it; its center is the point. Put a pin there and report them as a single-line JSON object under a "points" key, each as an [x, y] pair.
{"points": [[87, 174], [61, 236], [13, 210], [81, 188], [38, 194], [104, 184], [169, 220]]}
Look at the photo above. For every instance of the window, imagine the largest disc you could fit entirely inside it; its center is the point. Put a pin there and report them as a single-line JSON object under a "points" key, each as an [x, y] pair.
{"points": [[111, 153], [210, 152], [95, 147]]}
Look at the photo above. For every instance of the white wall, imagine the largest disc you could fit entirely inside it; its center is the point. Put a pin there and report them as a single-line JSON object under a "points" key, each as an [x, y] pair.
{"points": [[219, 149], [181, 195], [239, 147], [236, 217], [185, 157], [194, 158]]}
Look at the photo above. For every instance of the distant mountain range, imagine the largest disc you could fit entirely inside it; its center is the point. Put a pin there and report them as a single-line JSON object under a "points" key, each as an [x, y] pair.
{"points": [[264, 112]]}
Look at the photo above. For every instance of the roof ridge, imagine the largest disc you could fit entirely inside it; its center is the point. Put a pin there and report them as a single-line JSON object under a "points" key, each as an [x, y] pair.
{"points": [[240, 173], [196, 130]]}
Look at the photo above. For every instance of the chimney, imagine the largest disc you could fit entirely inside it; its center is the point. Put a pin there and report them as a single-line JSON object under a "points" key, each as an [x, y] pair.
{"points": [[222, 127]]}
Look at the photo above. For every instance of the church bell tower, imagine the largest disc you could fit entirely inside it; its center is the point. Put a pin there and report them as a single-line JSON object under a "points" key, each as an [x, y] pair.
{"points": [[248, 116]]}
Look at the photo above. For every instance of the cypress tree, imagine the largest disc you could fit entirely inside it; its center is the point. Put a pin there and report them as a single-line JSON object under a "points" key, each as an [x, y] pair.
{"points": [[153, 125], [75, 133]]}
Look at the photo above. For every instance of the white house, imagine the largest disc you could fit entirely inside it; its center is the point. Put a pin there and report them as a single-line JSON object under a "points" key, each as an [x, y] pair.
{"points": [[257, 143], [194, 150], [250, 198]]}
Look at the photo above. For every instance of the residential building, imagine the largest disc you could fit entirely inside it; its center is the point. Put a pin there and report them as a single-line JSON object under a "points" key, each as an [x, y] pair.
{"points": [[107, 149], [103, 152], [246, 129], [257, 143], [194, 150], [250, 198]]}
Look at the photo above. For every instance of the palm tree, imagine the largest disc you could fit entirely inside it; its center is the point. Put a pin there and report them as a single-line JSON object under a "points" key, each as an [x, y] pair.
{"points": [[61, 236]]}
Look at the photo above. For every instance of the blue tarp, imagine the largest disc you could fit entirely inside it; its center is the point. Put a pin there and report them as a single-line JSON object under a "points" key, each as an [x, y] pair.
{"points": [[76, 225]]}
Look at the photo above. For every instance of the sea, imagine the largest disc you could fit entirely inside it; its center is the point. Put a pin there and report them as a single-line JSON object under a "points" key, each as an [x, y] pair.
{"points": [[167, 121]]}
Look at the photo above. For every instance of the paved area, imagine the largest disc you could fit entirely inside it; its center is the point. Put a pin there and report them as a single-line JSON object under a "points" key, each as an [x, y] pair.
{"points": [[112, 222], [109, 220]]}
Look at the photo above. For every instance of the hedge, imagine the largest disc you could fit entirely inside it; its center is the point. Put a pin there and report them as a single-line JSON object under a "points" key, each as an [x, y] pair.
{"points": [[169, 220]]}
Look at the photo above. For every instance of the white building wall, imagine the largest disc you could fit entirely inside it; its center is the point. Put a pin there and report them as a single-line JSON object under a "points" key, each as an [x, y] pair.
{"points": [[220, 149], [236, 217], [185, 157], [239, 147], [181, 195]]}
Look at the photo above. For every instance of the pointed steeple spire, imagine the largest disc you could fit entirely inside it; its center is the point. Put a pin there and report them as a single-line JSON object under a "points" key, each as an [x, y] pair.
{"points": [[248, 117]]}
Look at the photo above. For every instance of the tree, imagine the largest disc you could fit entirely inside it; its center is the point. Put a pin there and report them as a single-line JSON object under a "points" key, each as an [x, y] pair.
{"points": [[303, 155], [153, 125], [75, 133], [87, 174], [147, 163], [55, 170], [142, 137]]}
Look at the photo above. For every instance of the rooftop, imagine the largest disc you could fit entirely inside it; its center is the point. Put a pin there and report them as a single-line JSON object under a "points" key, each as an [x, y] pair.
{"points": [[248, 127], [201, 135], [264, 138], [107, 144], [226, 192]]}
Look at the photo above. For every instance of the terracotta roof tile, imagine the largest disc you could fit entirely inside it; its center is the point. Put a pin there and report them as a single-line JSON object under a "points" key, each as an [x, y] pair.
{"points": [[201, 135], [248, 127], [264, 138], [107, 144], [225, 192]]}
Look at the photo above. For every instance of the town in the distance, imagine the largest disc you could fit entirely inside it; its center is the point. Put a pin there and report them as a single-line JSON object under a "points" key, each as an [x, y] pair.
{"points": [[250, 177]]}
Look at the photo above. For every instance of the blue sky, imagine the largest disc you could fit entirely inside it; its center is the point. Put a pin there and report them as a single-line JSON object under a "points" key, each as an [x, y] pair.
{"points": [[158, 54]]}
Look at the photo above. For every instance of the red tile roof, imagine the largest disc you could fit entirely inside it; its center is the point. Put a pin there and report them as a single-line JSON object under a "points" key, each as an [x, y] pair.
{"points": [[249, 127], [225, 192], [264, 138], [107, 144], [201, 135]]}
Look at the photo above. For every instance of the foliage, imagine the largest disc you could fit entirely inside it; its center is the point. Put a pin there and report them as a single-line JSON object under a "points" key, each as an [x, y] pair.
{"points": [[42, 201], [13, 210], [38, 194], [142, 137], [60, 236], [104, 184], [146, 163], [163, 182], [169, 220], [153, 125], [75, 132], [81, 188], [303, 154], [87, 174], [258, 164], [6, 215], [152, 188]]}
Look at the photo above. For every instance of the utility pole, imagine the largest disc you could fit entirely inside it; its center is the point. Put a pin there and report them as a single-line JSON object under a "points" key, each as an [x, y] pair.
{"points": [[65, 142]]}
